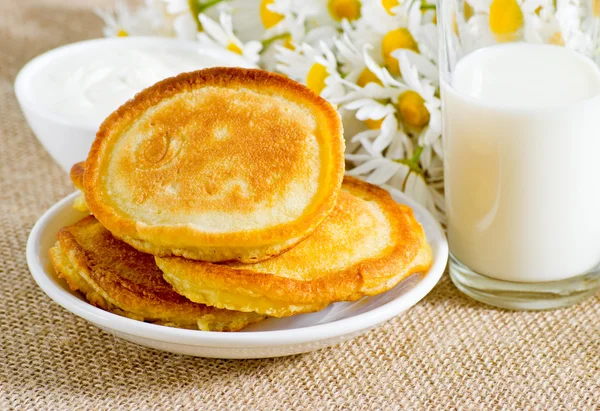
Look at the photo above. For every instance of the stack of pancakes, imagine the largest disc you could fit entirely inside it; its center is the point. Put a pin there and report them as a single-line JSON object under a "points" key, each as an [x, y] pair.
{"points": [[218, 199]]}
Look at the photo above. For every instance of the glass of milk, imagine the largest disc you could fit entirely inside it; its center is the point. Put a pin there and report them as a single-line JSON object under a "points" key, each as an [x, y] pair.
{"points": [[521, 110]]}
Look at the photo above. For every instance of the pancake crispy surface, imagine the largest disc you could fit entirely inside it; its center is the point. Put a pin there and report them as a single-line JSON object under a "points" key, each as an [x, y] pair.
{"points": [[120, 279], [215, 165], [366, 246]]}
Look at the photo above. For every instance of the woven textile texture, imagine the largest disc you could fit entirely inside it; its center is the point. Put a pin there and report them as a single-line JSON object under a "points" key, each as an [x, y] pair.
{"points": [[448, 352]]}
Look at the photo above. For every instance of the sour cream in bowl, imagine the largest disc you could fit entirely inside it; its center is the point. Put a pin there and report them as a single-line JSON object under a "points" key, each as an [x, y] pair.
{"points": [[67, 92]]}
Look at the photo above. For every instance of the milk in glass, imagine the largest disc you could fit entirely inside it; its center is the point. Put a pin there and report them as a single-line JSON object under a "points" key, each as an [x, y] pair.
{"points": [[522, 158]]}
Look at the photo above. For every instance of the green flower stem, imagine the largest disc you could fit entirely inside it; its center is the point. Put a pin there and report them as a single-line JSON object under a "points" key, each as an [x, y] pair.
{"points": [[413, 162], [266, 43], [198, 6], [207, 4]]}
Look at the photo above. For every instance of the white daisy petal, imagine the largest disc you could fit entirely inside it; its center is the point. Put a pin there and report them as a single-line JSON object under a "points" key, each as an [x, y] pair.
{"points": [[177, 6], [366, 167], [388, 132], [399, 146], [358, 157], [365, 134], [185, 27], [359, 103], [383, 173], [373, 110], [422, 63], [214, 30]]}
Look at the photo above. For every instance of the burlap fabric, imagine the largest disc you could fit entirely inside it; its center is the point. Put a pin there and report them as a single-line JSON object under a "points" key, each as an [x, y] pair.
{"points": [[446, 352]]}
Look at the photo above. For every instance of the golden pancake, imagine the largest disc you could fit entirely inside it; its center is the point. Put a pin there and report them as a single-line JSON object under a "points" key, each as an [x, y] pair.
{"points": [[77, 179], [122, 280], [215, 165], [77, 175], [366, 246]]}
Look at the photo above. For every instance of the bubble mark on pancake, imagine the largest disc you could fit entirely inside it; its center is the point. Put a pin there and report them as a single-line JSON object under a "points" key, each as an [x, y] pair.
{"points": [[158, 150], [154, 149]]}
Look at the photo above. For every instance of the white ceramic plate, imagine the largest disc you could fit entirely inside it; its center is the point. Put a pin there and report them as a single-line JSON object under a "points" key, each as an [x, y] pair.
{"points": [[270, 338]]}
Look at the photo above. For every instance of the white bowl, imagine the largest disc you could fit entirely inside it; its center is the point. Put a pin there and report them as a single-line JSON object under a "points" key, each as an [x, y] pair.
{"points": [[68, 141], [270, 338]]}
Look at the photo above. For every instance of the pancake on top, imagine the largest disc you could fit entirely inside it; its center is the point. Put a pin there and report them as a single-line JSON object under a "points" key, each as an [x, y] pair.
{"points": [[215, 165]]}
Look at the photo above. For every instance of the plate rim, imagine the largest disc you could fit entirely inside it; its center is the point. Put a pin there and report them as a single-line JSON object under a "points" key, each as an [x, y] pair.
{"points": [[270, 338]]}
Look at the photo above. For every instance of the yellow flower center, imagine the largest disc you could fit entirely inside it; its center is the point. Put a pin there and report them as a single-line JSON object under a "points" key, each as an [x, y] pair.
{"points": [[315, 78], [506, 20], [366, 77], [396, 39], [557, 39], [288, 43], [373, 124], [388, 5], [412, 110], [467, 14], [122, 33], [454, 24], [235, 48], [468, 11], [344, 9], [596, 8], [269, 18]]}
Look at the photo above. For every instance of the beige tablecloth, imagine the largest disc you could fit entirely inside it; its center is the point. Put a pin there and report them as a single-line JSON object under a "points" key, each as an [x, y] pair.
{"points": [[446, 352]]}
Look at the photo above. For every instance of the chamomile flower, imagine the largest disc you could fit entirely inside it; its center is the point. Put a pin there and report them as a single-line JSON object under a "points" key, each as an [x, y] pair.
{"points": [[360, 35], [424, 30], [414, 184], [333, 12], [314, 67], [382, 15], [375, 170], [499, 21], [416, 187], [118, 23], [247, 17], [185, 18], [353, 61], [422, 27], [397, 176], [412, 98], [378, 114], [588, 34], [263, 19], [285, 16], [222, 35], [378, 141], [370, 79], [295, 22], [395, 26], [570, 26], [418, 107]]}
